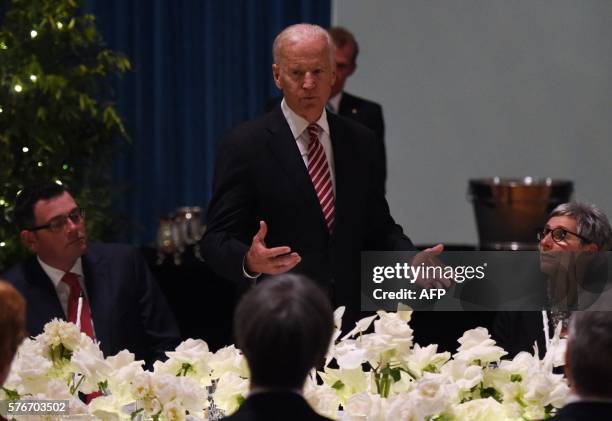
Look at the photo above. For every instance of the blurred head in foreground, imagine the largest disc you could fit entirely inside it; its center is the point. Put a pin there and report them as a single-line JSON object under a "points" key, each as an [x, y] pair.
{"points": [[12, 326], [588, 366], [283, 327]]}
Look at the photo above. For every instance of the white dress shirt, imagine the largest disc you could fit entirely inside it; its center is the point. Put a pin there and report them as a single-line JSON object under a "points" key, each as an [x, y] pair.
{"points": [[62, 288], [299, 126]]}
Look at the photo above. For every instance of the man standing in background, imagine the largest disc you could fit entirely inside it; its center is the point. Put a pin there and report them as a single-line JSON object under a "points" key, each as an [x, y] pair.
{"points": [[361, 110]]}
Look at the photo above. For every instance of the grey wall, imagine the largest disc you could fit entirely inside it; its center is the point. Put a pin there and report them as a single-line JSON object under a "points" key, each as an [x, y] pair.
{"points": [[483, 88]]}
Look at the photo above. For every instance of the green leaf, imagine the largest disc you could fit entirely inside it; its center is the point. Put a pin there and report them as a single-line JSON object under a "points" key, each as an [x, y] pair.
{"points": [[491, 392], [396, 374], [516, 378], [338, 385]]}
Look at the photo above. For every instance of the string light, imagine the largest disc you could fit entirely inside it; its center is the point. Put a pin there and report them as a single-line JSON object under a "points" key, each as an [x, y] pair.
{"points": [[65, 167], [1, 110], [18, 88], [25, 149], [60, 25], [2, 244], [33, 33], [3, 45], [59, 183], [2, 202], [40, 164], [33, 78]]}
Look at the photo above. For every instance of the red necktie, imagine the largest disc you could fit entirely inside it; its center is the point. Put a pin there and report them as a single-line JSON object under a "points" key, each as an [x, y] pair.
{"points": [[72, 281], [319, 172]]}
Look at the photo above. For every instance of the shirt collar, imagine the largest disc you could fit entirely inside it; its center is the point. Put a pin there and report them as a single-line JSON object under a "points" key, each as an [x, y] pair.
{"points": [[56, 275], [298, 124]]}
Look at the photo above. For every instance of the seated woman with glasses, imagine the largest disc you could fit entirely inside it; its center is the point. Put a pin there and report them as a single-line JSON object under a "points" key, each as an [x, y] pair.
{"points": [[570, 245]]}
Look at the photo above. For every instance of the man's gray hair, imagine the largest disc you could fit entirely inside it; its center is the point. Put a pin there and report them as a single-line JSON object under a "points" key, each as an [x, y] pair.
{"points": [[591, 222], [300, 31], [589, 349]]}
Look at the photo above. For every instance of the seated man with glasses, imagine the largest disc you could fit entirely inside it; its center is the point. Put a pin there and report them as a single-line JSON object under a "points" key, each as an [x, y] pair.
{"points": [[570, 243], [106, 289]]}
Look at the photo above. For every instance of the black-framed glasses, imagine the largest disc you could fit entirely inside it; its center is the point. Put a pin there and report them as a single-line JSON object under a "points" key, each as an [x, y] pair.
{"points": [[58, 223], [558, 234]]}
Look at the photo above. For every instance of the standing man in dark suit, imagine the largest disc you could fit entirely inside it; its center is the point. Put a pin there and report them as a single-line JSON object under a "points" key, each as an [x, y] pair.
{"points": [[588, 367], [361, 110], [283, 327], [106, 289], [298, 190]]}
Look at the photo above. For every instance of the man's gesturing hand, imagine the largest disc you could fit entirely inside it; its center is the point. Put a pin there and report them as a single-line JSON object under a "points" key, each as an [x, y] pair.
{"points": [[429, 258], [271, 261]]}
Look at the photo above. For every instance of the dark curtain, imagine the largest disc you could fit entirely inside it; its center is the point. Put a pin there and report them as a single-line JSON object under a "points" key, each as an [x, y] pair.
{"points": [[199, 68]]}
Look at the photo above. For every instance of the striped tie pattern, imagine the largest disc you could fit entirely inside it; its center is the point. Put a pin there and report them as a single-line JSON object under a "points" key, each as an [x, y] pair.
{"points": [[319, 172]]}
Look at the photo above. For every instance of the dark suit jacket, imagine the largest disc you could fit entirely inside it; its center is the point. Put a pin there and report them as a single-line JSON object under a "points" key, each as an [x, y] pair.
{"points": [[275, 406], [260, 175], [128, 310], [516, 331], [584, 411], [364, 112]]}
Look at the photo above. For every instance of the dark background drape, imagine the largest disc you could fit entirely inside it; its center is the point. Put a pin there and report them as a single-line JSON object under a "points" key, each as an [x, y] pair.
{"points": [[199, 68]]}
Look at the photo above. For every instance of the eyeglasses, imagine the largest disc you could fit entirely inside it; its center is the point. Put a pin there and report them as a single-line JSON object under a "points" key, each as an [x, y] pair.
{"points": [[59, 222], [558, 234]]}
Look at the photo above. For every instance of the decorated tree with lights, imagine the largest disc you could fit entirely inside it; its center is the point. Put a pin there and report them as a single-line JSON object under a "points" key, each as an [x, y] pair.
{"points": [[57, 122]]}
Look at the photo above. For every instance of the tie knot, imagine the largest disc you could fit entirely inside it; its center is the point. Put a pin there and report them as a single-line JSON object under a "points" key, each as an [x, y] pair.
{"points": [[72, 280], [313, 131]]}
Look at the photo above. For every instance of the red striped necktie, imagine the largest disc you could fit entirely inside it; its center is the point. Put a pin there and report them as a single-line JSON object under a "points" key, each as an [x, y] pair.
{"points": [[320, 174], [72, 281]]}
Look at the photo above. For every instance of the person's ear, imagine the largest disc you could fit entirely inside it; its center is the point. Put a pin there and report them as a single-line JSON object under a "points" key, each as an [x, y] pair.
{"points": [[29, 239], [276, 75], [591, 248]]}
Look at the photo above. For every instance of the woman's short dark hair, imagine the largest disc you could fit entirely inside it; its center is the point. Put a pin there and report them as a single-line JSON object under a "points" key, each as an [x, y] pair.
{"points": [[283, 326], [12, 322]]}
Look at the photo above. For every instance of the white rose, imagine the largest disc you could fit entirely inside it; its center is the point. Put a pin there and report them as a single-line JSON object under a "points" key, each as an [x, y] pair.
{"points": [[464, 376], [481, 410], [231, 390], [364, 406], [174, 411], [194, 354], [322, 399], [193, 397], [476, 344], [58, 332], [228, 359], [349, 354], [353, 381], [107, 408], [89, 362], [425, 357], [393, 324], [165, 387], [435, 394], [401, 407]]}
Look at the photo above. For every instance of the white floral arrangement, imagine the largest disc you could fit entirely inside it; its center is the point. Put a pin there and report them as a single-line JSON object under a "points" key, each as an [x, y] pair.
{"points": [[373, 373]]}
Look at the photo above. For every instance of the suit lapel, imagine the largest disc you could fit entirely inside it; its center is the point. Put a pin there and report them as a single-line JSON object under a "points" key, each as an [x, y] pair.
{"points": [[284, 148], [343, 167], [44, 303], [95, 270]]}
